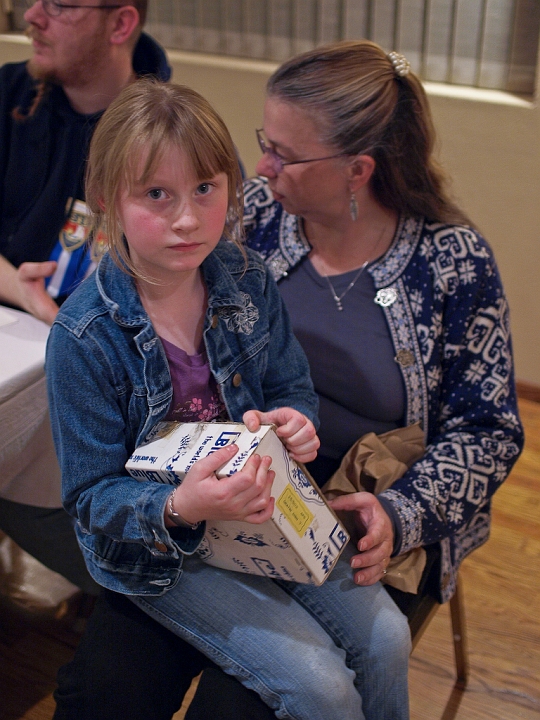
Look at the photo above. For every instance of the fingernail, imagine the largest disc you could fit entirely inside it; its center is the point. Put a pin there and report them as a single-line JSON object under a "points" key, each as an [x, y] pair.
{"points": [[359, 579], [355, 563]]}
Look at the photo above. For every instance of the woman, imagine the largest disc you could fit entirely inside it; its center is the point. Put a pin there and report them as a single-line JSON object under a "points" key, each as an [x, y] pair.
{"points": [[382, 270], [395, 298]]}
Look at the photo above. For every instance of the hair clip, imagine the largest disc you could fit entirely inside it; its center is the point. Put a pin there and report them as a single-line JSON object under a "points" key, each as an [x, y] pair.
{"points": [[400, 63]]}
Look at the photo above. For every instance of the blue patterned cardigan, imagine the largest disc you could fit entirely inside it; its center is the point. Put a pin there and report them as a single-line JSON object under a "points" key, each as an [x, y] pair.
{"points": [[448, 318]]}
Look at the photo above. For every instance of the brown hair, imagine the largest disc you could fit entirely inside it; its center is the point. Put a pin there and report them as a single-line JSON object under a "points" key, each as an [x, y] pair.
{"points": [[361, 105], [140, 5], [142, 8], [145, 120]]}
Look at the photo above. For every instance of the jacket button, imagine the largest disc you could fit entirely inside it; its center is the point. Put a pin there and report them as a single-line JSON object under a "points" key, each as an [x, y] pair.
{"points": [[160, 546], [214, 322], [405, 358], [237, 380]]}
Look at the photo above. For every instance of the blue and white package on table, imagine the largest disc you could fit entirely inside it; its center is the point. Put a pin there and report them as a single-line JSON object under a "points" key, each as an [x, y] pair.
{"points": [[302, 540]]}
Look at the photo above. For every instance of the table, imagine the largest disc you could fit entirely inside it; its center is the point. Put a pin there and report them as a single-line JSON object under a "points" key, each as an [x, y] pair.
{"points": [[29, 471]]}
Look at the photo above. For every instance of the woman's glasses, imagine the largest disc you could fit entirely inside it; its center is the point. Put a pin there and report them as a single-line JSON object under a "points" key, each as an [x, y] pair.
{"points": [[53, 9], [277, 160]]}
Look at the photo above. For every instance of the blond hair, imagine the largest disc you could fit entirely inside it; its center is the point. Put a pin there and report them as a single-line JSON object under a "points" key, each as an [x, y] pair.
{"points": [[361, 105], [145, 120]]}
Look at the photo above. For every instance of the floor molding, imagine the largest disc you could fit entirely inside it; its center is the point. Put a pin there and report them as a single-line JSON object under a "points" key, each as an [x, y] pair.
{"points": [[528, 391]]}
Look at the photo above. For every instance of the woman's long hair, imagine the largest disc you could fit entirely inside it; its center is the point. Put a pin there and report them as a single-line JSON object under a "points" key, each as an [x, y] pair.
{"points": [[361, 105]]}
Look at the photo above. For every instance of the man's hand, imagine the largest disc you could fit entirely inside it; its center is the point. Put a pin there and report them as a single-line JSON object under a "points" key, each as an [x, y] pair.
{"points": [[25, 288], [33, 295]]}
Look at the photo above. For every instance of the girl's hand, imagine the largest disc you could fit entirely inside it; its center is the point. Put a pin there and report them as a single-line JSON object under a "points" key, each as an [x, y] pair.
{"points": [[245, 495], [377, 543], [295, 430]]}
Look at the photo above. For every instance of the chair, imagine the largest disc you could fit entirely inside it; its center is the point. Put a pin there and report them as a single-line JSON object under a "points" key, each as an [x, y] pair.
{"points": [[420, 609]]}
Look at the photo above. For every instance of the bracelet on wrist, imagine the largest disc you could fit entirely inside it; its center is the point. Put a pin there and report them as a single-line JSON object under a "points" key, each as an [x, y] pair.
{"points": [[175, 518]]}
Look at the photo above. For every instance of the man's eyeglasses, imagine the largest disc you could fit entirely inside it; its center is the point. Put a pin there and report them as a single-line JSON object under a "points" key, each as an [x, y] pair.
{"points": [[278, 162], [53, 9]]}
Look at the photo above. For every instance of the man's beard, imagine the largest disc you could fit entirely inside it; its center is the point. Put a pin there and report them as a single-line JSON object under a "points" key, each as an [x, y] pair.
{"points": [[43, 74], [76, 74], [34, 69]]}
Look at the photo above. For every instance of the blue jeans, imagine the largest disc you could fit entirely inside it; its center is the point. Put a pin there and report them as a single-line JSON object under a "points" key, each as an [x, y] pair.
{"points": [[335, 652]]}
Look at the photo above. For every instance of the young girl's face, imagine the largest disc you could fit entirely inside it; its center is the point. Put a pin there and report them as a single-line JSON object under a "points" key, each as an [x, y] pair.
{"points": [[173, 221]]}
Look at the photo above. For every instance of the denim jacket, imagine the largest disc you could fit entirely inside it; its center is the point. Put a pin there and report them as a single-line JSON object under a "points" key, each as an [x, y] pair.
{"points": [[448, 319], [109, 384]]}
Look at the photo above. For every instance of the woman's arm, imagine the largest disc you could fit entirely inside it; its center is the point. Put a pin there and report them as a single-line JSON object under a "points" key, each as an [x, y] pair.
{"points": [[475, 434]]}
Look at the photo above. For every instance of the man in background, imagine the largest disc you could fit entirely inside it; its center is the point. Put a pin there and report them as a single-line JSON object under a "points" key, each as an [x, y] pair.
{"points": [[84, 53]]}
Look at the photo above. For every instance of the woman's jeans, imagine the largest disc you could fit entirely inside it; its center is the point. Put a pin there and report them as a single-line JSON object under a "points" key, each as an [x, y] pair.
{"points": [[335, 652]]}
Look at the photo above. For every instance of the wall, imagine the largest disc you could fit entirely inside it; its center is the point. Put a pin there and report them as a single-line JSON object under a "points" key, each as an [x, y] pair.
{"points": [[489, 142], [493, 154]]}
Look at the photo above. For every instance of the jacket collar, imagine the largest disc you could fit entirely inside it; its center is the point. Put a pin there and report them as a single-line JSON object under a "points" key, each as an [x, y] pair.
{"points": [[293, 244], [119, 294]]}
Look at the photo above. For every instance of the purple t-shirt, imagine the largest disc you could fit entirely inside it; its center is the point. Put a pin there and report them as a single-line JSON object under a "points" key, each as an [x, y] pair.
{"points": [[196, 396]]}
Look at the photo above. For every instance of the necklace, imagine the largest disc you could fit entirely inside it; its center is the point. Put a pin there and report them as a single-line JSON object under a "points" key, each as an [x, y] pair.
{"points": [[339, 298]]}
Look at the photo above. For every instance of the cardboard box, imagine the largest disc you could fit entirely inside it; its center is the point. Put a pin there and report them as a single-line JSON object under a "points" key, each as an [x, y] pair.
{"points": [[301, 541]]}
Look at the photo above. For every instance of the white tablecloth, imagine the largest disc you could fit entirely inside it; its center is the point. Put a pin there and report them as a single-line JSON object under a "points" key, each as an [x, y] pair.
{"points": [[29, 471]]}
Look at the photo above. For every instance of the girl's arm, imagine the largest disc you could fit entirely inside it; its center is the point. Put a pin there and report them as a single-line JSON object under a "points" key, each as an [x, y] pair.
{"points": [[97, 414], [92, 411]]}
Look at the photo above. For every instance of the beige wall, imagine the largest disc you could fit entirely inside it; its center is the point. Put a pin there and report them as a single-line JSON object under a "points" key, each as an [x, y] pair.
{"points": [[490, 146], [493, 154]]}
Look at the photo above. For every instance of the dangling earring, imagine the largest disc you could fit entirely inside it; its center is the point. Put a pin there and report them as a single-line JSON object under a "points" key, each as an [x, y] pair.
{"points": [[353, 207]]}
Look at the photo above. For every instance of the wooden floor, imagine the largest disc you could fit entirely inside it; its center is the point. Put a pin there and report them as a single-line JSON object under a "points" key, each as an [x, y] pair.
{"points": [[501, 584]]}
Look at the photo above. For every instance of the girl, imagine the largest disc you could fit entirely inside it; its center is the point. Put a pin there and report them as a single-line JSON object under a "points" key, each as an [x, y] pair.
{"points": [[178, 323]]}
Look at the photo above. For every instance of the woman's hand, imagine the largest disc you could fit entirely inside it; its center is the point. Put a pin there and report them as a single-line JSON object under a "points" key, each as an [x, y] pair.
{"points": [[245, 495], [377, 541], [295, 430]]}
